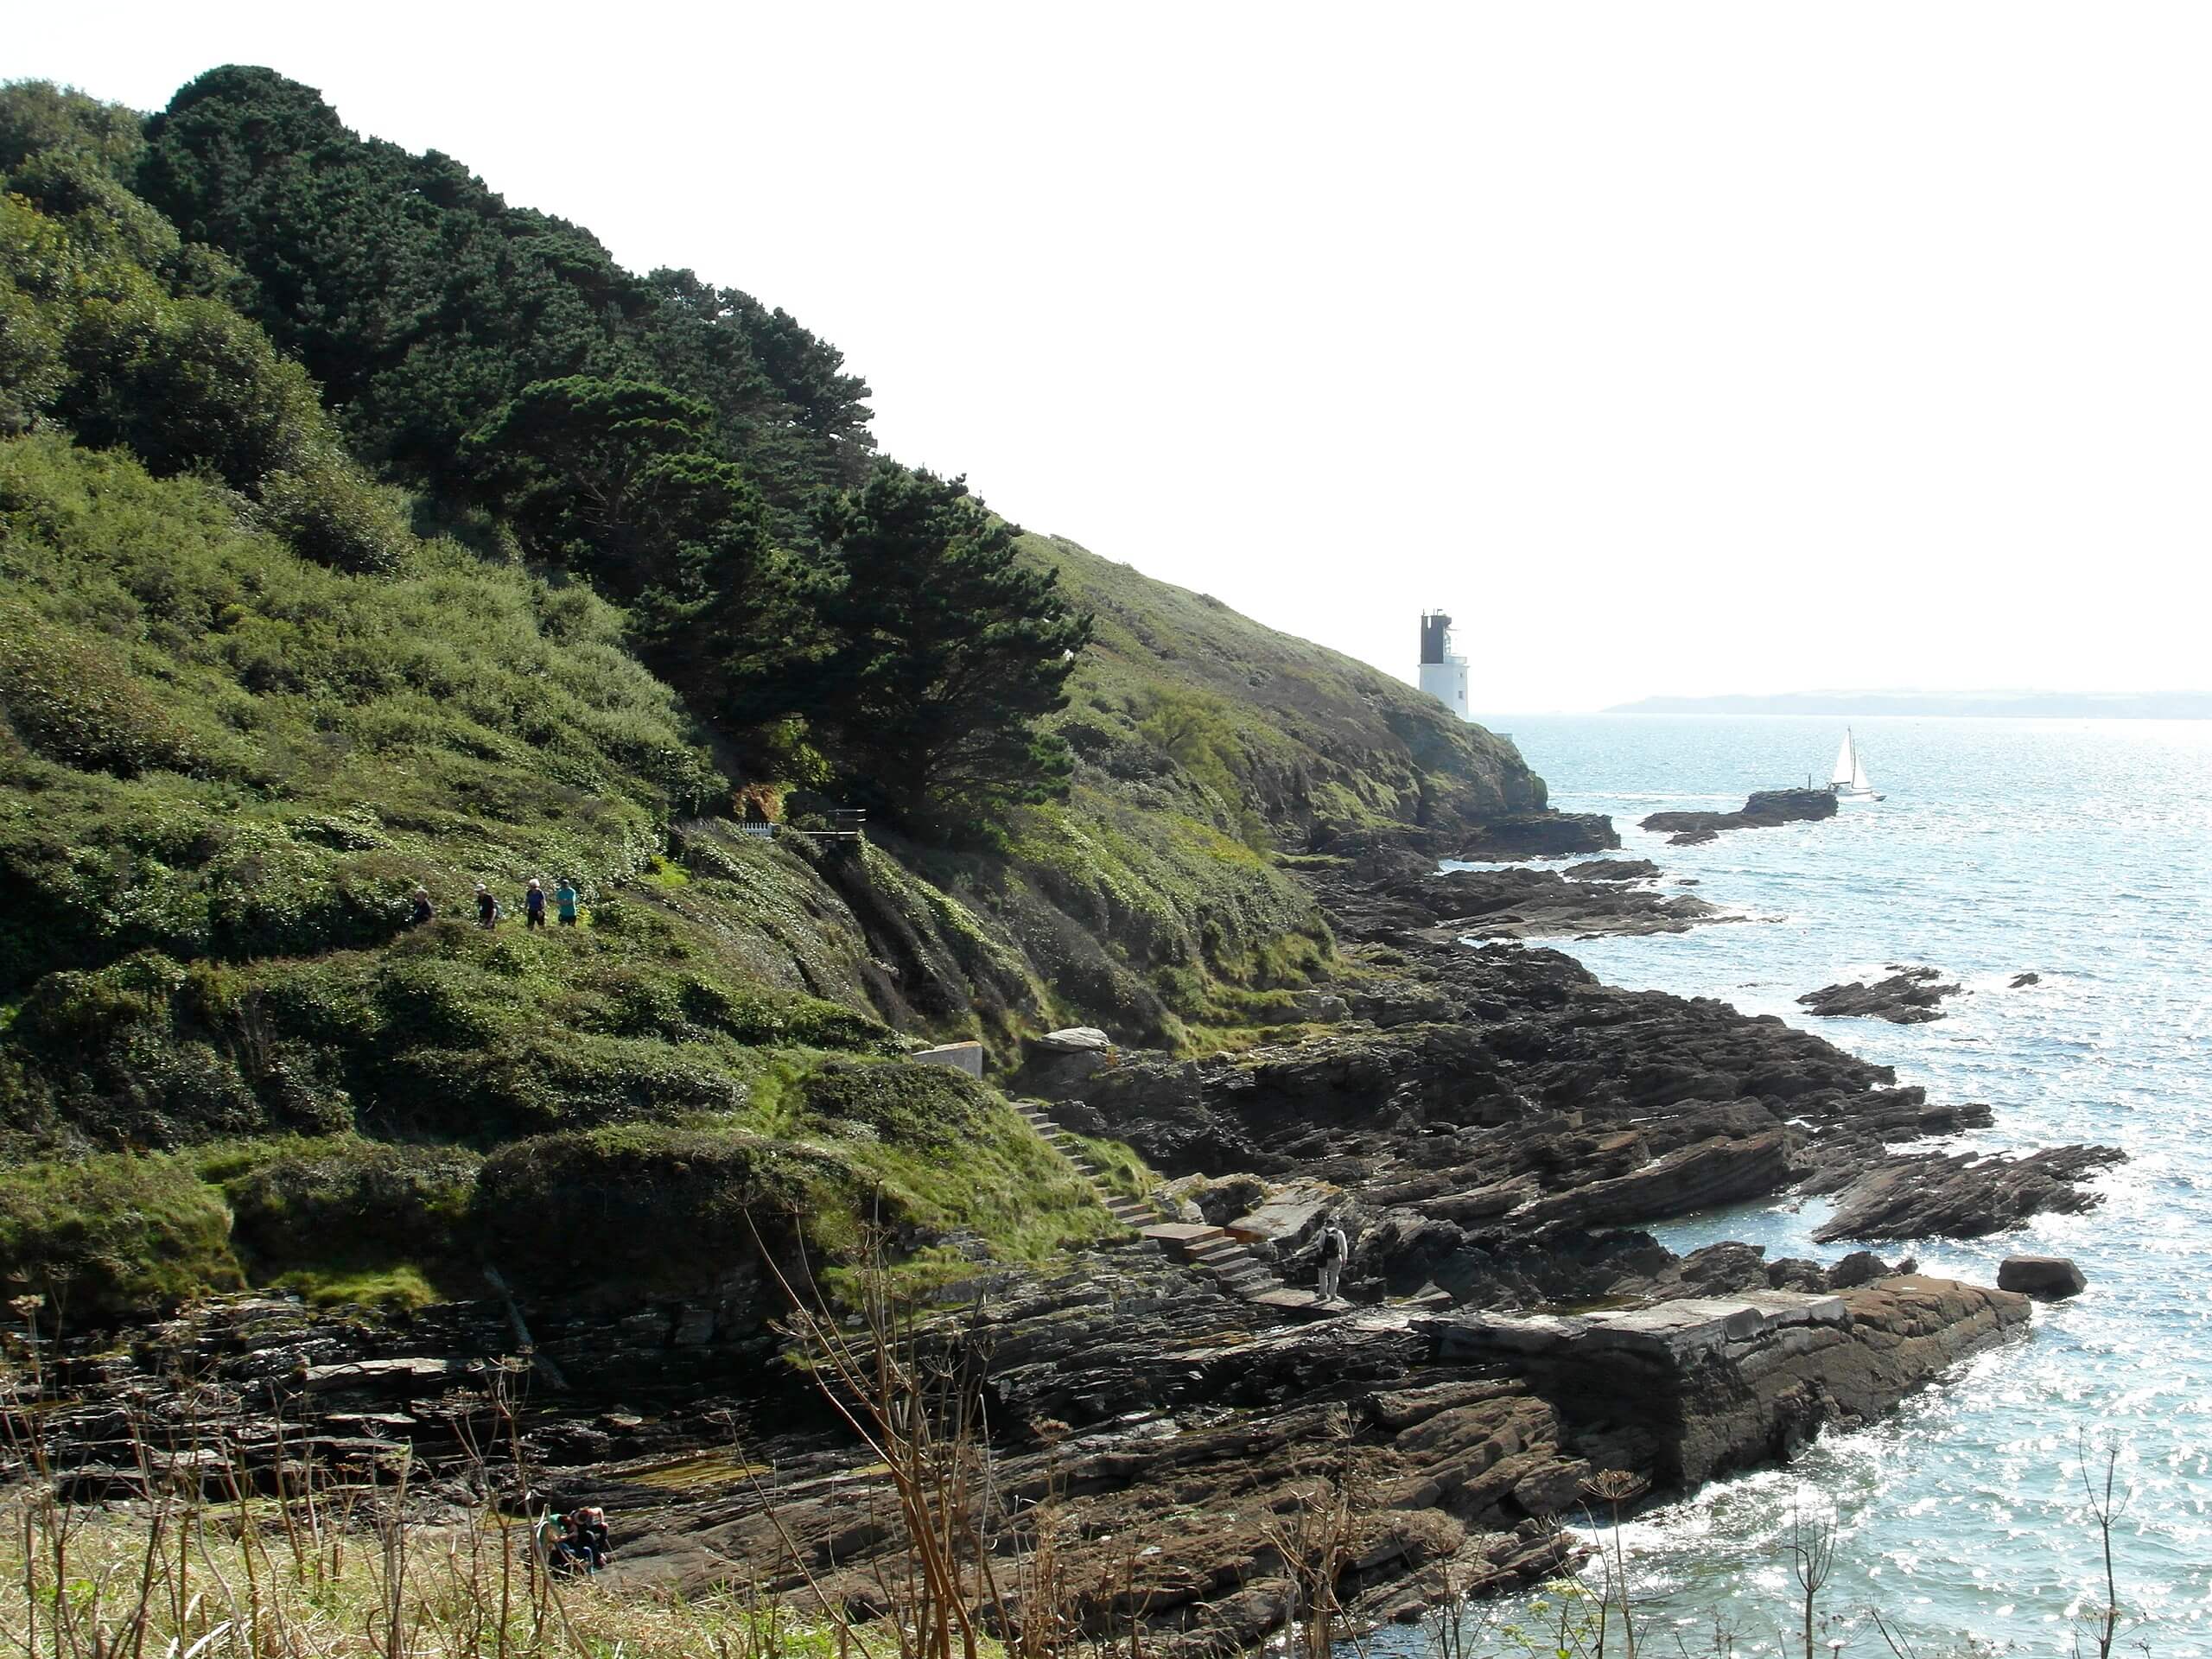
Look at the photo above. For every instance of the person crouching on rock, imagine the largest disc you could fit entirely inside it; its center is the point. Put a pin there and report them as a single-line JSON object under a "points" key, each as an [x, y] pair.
{"points": [[564, 1555], [588, 1532], [1336, 1249]]}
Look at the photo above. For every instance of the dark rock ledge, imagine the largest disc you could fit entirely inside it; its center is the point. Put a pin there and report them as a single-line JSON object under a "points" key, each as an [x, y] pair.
{"points": [[1909, 996], [1765, 808], [1387, 895]]}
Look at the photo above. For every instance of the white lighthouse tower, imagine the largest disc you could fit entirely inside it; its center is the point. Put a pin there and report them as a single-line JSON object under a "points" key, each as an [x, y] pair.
{"points": [[1443, 676]]}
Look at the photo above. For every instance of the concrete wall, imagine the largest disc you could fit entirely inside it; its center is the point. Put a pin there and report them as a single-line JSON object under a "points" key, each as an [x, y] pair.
{"points": [[961, 1057]]}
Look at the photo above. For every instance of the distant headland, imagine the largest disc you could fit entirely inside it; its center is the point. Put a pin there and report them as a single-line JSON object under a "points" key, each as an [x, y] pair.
{"points": [[2011, 705]]}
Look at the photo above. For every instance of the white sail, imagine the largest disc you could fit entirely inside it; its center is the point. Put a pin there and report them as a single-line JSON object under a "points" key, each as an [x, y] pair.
{"points": [[1859, 783], [1848, 774]]}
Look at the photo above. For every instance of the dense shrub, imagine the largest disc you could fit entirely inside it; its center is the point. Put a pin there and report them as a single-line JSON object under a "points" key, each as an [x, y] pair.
{"points": [[807, 1021], [113, 1237], [348, 736], [73, 699], [542, 1082], [330, 514], [647, 1205], [345, 1201], [910, 1105]]}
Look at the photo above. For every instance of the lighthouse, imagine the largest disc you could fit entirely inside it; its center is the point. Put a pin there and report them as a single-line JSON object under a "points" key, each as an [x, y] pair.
{"points": [[1443, 676]]}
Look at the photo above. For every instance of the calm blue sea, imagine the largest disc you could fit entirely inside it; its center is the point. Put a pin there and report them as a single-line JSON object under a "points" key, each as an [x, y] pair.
{"points": [[2081, 851]]}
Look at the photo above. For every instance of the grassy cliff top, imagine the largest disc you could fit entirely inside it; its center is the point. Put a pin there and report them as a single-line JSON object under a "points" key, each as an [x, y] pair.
{"points": [[1317, 737]]}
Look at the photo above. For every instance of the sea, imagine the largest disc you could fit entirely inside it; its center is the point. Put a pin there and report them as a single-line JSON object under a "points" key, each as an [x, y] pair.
{"points": [[2079, 851]]}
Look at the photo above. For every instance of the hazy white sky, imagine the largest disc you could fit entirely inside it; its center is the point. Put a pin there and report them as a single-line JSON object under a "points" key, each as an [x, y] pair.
{"points": [[1672, 348]]}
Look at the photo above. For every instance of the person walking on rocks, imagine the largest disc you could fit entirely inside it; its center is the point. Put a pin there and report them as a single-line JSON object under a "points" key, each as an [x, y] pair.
{"points": [[1336, 1249]]}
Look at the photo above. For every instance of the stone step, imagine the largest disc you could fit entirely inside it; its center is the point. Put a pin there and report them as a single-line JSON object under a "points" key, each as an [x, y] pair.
{"points": [[1297, 1303], [1182, 1236]]}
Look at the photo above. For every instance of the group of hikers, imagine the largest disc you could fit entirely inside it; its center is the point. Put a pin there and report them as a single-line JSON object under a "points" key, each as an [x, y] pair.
{"points": [[574, 1543], [489, 909]]}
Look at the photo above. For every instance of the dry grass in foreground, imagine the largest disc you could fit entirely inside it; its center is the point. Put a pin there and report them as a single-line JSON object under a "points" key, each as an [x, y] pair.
{"points": [[175, 1580]]}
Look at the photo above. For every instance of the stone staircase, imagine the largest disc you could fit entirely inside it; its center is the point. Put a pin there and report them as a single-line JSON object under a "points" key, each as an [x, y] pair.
{"points": [[1210, 1249], [1133, 1213]]}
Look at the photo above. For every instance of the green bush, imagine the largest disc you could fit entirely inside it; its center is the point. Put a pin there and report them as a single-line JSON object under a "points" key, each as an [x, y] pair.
{"points": [[330, 514], [909, 1105], [355, 1203], [543, 1082], [115, 1237], [642, 1206], [806, 1021], [73, 699]]}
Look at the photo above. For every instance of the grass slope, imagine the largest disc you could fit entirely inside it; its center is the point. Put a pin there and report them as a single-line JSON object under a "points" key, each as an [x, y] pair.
{"points": [[1319, 741], [248, 710]]}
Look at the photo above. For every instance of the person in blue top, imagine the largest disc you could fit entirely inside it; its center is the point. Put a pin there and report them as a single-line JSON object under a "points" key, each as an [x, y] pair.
{"points": [[533, 905], [564, 900]]}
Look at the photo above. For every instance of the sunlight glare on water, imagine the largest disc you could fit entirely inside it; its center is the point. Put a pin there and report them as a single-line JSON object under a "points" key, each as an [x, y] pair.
{"points": [[2078, 851]]}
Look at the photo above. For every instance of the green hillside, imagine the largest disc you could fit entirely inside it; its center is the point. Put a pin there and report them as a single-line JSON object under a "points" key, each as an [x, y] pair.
{"points": [[286, 633]]}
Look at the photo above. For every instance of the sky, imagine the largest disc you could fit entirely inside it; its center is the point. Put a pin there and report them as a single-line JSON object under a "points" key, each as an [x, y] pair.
{"points": [[1673, 349]]}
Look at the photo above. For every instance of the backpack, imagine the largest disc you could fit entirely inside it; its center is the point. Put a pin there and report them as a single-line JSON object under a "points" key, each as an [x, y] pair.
{"points": [[1332, 1245]]}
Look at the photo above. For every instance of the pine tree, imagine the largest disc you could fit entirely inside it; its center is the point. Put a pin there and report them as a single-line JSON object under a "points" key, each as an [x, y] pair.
{"points": [[944, 652]]}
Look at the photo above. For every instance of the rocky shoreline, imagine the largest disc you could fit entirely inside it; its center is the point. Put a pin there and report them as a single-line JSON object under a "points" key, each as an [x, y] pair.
{"points": [[1396, 894], [1490, 1121]]}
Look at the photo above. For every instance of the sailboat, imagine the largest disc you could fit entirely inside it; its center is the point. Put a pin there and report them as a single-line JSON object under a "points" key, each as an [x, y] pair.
{"points": [[1849, 783]]}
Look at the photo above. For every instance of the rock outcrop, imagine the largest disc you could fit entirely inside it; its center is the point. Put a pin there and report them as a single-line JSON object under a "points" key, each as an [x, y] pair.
{"points": [[1386, 897], [1693, 1389], [1964, 1195], [1534, 835], [2046, 1278], [1452, 1443], [1764, 809], [1481, 1097], [1909, 996]]}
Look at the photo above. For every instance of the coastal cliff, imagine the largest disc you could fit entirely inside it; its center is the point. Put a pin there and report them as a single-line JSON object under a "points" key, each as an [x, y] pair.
{"points": [[309, 643]]}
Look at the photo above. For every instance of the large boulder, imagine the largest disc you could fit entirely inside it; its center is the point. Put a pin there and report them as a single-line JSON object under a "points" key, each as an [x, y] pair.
{"points": [[1075, 1040], [2046, 1278]]}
